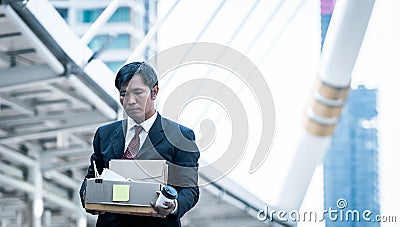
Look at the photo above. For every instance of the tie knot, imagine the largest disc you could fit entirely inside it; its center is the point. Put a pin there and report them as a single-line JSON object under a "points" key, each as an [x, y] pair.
{"points": [[138, 129]]}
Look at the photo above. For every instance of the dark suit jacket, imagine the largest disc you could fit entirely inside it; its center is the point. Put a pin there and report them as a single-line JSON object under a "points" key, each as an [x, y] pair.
{"points": [[166, 140]]}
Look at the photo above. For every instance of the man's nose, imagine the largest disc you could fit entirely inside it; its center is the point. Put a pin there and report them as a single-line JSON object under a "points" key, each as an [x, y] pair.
{"points": [[130, 99]]}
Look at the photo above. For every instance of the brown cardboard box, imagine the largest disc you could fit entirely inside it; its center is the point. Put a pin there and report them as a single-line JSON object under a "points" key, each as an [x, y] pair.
{"points": [[155, 171], [134, 196], [120, 196], [141, 211]]}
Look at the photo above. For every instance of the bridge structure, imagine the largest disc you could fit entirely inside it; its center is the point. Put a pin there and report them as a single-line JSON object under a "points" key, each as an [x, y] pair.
{"points": [[52, 100], [53, 96]]}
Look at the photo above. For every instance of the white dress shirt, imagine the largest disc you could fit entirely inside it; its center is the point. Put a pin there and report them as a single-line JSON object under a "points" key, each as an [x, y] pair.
{"points": [[147, 124]]}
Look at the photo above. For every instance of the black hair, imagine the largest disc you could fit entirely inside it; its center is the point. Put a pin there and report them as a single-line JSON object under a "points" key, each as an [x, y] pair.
{"points": [[127, 71]]}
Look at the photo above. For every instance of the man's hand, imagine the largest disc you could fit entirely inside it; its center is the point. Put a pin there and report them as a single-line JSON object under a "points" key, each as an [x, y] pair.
{"points": [[162, 212]]}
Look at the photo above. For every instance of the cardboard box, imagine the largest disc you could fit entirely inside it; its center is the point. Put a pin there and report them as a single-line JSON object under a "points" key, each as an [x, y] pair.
{"points": [[151, 171], [132, 196], [120, 196], [141, 211]]}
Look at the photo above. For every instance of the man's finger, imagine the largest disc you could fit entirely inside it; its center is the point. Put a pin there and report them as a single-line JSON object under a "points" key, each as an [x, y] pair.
{"points": [[170, 205], [162, 212]]}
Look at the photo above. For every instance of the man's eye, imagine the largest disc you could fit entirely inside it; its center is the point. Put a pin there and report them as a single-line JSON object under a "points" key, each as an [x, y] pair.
{"points": [[122, 94]]}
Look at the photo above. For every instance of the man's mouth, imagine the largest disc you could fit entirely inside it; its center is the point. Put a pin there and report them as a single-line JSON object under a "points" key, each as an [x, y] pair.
{"points": [[134, 109]]}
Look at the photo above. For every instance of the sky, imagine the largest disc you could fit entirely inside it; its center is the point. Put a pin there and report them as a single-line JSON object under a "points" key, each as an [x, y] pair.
{"points": [[189, 18], [287, 52]]}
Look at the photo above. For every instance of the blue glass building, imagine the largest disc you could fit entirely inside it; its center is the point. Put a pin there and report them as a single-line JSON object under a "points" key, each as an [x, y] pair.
{"points": [[120, 35], [351, 164]]}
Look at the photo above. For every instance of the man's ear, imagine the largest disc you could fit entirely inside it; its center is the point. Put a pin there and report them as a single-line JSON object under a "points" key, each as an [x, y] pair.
{"points": [[154, 92], [121, 100]]}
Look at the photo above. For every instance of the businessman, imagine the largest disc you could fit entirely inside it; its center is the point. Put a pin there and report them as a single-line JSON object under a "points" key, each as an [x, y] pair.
{"points": [[145, 134]]}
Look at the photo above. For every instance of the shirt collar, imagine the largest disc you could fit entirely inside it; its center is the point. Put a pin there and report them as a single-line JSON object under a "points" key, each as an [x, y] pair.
{"points": [[147, 124]]}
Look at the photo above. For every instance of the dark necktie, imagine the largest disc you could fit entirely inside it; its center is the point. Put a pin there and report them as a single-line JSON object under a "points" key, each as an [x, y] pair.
{"points": [[133, 146]]}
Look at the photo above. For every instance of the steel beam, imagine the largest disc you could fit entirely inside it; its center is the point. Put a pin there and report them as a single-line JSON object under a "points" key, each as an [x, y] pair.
{"points": [[79, 117], [31, 37], [49, 133], [78, 140], [56, 188], [15, 156], [17, 105], [65, 152], [69, 95], [20, 51], [143, 43], [24, 75], [100, 21], [66, 165], [62, 179], [93, 98], [11, 34], [18, 184], [52, 197], [11, 171]]}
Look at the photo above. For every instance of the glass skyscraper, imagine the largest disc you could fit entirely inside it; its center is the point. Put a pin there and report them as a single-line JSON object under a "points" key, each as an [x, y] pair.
{"points": [[351, 165], [118, 38]]}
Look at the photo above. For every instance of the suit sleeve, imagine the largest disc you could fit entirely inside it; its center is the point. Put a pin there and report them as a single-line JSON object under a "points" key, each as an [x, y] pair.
{"points": [[184, 172], [95, 157]]}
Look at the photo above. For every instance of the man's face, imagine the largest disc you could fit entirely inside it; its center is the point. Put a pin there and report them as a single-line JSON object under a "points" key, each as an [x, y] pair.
{"points": [[138, 99]]}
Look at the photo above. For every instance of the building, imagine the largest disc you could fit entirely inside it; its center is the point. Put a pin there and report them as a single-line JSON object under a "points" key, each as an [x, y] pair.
{"points": [[351, 164], [116, 40], [50, 109]]}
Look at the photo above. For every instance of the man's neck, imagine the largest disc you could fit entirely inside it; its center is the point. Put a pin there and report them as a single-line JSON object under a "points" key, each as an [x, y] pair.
{"points": [[147, 124]]}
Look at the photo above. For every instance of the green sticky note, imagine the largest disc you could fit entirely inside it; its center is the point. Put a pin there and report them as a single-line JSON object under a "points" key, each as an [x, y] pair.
{"points": [[120, 192]]}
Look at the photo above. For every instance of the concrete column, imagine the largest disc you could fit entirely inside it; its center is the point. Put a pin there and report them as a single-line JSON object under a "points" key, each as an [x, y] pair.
{"points": [[342, 44], [81, 221], [47, 218], [37, 207]]}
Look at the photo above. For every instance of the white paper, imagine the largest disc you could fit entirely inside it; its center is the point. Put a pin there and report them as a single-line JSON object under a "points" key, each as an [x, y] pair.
{"points": [[110, 175]]}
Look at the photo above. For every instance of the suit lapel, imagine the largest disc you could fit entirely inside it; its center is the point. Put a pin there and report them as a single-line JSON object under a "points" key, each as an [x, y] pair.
{"points": [[154, 137], [118, 140]]}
